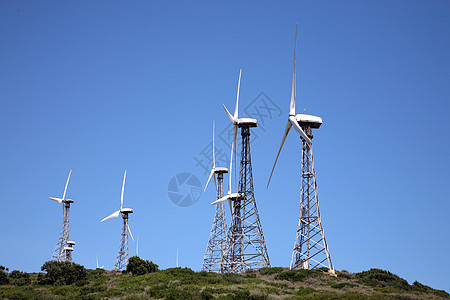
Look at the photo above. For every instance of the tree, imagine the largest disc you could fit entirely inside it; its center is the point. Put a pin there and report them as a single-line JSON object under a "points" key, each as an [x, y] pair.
{"points": [[61, 273], [138, 266]]}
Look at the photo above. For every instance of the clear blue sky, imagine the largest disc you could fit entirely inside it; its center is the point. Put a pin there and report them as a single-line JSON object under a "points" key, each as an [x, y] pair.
{"points": [[104, 86]]}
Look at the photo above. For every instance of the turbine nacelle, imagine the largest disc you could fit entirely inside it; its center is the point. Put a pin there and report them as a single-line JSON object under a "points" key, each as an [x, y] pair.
{"points": [[248, 122], [220, 170], [312, 121], [126, 210]]}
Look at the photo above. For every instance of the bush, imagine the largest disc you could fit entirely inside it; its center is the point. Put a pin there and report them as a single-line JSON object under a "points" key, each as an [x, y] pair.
{"points": [[378, 277], [270, 271], [62, 273], [417, 286], [138, 266], [19, 278], [295, 275], [3, 276]]}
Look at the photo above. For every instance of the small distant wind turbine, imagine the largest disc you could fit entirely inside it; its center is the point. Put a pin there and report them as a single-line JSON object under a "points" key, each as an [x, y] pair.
{"points": [[122, 257], [230, 196], [60, 253], [96, 258]]}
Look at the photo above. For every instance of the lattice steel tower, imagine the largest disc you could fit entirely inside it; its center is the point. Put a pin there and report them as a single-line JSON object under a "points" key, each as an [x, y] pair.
{"points": [[122, 256], [217, 243], [310, 247], [246, 245], [60, 252]]}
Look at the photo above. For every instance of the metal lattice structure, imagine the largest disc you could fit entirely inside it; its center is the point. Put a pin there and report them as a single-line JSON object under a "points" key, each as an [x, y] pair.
{"points": [[122, 256], [59, 254], [310, 247], [246, 245], [217, 243]]}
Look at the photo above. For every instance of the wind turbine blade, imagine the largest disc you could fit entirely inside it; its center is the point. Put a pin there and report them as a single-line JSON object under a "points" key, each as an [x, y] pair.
{"points": [[123, 187], [229, 173], [231, 206], [297, 128], [237, 96], [96, 258], [67, 183], [228, 113], [210, 176], [220, 200], [128, 227], [235, 148], [214, 156], [293, 92], [113, 215], [55, 199], [286, 131]]}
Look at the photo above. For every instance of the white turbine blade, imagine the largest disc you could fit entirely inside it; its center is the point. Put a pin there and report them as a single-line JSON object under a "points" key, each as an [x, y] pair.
{"points": [[214, 156], [286, 131], [229, 173], [210, 176], [231, 206], [113, 215], [137, 246], [297, 128], [55, 199], [128, 227], [237, 97], [235, 148], [67, 183], [96, 258], [123, 187], [293, 92], [220, 200], [229, 115]]}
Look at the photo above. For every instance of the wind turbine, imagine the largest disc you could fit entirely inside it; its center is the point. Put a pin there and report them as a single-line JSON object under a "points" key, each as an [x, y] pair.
{"points": [[247, 247], [62, 247], [217, 243], [229, 196], [310, 247], [122, 256], [96, 258]]}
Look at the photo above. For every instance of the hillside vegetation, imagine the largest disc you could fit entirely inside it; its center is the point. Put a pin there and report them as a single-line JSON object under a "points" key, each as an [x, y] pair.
{"points": [[183, 283]]}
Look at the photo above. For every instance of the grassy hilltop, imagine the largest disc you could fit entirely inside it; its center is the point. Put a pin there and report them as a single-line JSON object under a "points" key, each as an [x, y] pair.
{"points": [[183, 283]]}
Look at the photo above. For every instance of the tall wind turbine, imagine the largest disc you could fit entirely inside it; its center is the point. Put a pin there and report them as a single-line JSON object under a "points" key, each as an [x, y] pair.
{"points": [[122, 256], [217, 243], [246, 243], [310, 247], [63, 250]]}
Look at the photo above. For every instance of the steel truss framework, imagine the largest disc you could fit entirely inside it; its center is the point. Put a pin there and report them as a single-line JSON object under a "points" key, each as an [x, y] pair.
{"points": [[216, 247], [310, 247], [59, 254], [246, 245], [122, 256]]}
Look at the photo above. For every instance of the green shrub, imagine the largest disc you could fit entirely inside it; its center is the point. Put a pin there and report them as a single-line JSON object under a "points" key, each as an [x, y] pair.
{"points": [[382, 278], [19, 278], [138, 266], [62, 273], [417, 286], [3, 275], [270, 271], [294, 275], [233, 278], [340, 285]]}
